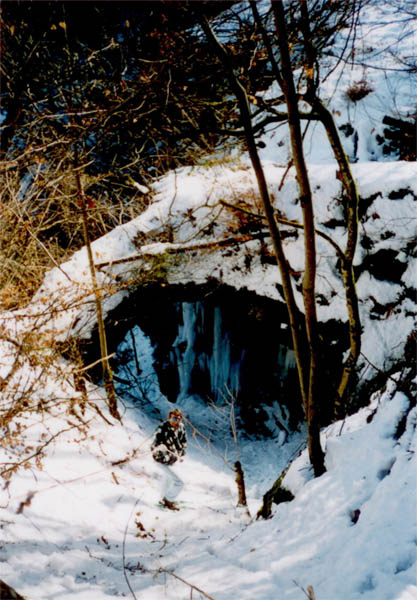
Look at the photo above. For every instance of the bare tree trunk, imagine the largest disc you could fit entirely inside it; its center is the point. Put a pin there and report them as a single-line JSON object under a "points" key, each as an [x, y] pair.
{"points": [[107, 372], [307, 377], [312, 413], [321, 113], [347, 271], [351, 207], [240, 482], [242, 99], [276, 495]]}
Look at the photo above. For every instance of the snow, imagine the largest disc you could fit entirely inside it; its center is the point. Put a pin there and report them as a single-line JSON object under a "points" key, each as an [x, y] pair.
{"points": [[389, 221], [79, 519], [93, 523]]}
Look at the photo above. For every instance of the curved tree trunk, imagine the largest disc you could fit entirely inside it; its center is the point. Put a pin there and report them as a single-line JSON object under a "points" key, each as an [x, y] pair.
{"points": [[307, 376], [309, 280], [245, 114], [351, 207], [321, 113], [348, 275]]}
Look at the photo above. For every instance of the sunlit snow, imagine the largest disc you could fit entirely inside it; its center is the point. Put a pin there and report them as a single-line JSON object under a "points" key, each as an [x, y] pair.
{"points": [[82, 523]]}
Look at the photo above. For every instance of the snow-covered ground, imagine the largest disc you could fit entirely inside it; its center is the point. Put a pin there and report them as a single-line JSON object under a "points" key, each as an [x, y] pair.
{"points": [[79, 518], [86, 525]]}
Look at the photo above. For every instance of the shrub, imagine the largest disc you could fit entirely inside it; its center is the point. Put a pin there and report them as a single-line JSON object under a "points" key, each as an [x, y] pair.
{"points": [[359, 90]]}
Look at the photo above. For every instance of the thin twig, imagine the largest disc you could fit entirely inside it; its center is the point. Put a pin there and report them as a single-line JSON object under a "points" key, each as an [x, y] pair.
{"points": [[378, 369], [209, 442], [288, 222], [91, 365], [124, 553], [192, 586], [38, 451], [310, 590], [178, 248]]}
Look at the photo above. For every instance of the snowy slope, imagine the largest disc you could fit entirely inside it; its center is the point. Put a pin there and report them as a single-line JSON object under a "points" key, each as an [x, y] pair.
{"points": [[91, 527], [388, 194], [79, 518]]}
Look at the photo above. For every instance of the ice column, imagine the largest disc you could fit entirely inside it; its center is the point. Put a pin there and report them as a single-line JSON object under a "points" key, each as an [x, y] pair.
{"points": [[224, 374], [202, 353]]}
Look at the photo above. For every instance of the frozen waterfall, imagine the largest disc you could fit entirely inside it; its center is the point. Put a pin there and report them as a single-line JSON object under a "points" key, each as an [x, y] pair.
{"points": [[205, 368], [213, 351]]}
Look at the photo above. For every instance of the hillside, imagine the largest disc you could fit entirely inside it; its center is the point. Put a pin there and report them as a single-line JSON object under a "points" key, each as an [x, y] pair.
{"points": [[79, 491]]}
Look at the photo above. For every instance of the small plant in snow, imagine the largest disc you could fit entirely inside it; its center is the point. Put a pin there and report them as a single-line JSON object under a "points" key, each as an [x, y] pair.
{"points": [[359, 90]]}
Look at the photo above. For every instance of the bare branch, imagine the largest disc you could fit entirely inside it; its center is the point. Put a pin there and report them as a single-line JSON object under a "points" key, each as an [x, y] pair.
{"points": [[190, 585]]}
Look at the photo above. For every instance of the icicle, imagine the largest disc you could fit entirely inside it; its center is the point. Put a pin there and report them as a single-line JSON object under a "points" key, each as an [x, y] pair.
{"points": [[209, 359], [184, 346]]}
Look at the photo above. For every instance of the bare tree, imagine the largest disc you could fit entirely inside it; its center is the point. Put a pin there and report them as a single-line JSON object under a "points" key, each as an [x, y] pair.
{"points": [[311, 42], [306, 381], [308, 32], [351, 206], [106, 368], [309, 279]]}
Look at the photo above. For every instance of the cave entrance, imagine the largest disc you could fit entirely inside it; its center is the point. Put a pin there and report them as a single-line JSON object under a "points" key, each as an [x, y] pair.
{"points": [[210, 342]]}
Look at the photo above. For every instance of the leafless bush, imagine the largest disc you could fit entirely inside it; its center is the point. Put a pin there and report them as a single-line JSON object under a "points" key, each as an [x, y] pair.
{"points": [[42, 225]]}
